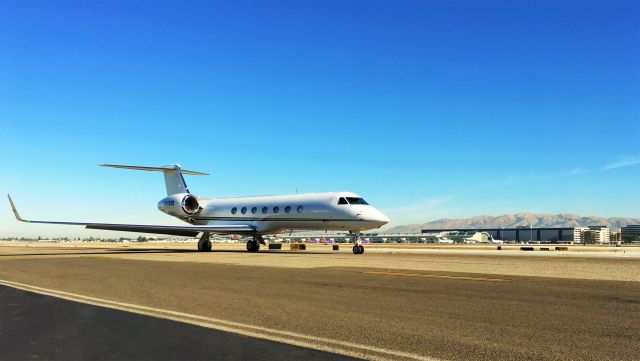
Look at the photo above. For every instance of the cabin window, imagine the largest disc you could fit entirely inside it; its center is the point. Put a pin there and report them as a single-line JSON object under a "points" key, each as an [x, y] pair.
{"points": [[276, 209], [265, 210], [254, 210], [300, 209], [287, 209], [244, 210], [234, 210], [356, 200], [342, 201]]}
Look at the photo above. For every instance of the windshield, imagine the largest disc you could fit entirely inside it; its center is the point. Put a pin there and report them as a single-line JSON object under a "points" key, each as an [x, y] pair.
{"points": [[356, 200]]}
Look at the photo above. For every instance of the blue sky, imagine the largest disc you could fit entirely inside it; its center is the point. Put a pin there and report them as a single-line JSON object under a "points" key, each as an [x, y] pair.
{"points": [[428, 109]]}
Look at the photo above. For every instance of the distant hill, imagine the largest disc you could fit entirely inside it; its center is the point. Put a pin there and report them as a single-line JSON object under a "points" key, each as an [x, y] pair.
{"points": [[519, 219]]}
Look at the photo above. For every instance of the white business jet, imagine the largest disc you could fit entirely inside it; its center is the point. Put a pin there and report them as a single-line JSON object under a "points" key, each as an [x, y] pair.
{"points": [[255, 216]]}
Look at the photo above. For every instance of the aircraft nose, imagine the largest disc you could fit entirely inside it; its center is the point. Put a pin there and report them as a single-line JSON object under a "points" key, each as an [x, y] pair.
{"points": [[379, 218], [384, 219]]}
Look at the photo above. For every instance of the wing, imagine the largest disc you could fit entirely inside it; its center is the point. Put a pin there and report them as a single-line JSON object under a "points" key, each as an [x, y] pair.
{"points": [[189, 231]]}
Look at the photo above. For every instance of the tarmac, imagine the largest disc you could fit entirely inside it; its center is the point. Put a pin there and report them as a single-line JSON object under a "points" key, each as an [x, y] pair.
{"points": [[37, 327], [429, 304]]}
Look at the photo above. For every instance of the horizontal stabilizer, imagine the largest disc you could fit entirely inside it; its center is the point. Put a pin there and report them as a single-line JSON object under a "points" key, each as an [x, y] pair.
{"points": [[154, 169], [173, 179]]}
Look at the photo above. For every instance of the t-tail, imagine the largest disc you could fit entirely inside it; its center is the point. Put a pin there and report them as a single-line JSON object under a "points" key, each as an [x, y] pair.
{"points": [[173, 179]]}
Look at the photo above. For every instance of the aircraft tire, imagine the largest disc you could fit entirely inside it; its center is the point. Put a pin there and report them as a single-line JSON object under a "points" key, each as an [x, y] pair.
{"points": [[253, 246], [356, 249], [204, 247]]}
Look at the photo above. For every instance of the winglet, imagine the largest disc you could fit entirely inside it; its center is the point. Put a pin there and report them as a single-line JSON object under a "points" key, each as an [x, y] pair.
{"points": [[15, 211]]}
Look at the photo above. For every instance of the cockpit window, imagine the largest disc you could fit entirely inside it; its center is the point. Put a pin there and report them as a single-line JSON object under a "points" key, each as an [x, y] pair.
{"points": [[342, 201], [355, 200]]}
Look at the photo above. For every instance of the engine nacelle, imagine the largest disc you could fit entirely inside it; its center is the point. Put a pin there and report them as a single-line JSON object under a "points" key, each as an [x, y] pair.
{"points": [[190, 204], [180, 205]]}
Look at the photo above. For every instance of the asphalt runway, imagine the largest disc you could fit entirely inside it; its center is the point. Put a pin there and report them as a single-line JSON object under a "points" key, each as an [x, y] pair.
{"points": [[364, 312], [37, 327]]}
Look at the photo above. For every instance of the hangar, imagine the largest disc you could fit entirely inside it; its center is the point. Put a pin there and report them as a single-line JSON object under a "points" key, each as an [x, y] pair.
{"points": [[522, 234]]}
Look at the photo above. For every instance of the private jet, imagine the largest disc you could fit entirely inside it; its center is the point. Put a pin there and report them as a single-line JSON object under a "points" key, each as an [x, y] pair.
{"points": [[254, 216]]}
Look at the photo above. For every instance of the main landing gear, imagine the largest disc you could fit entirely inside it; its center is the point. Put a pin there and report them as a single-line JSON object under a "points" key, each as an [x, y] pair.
{"points": [[358, 248], [254, 244], [204, 244]]}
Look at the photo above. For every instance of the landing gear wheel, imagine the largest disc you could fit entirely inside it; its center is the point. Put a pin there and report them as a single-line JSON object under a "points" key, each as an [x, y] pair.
{"points": [[253, 246], [357, 246], [204, 247], [204, 244]]}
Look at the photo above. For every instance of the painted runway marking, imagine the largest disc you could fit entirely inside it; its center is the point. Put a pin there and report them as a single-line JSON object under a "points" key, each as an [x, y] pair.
{"points": [[292, 338], [465, 278]]}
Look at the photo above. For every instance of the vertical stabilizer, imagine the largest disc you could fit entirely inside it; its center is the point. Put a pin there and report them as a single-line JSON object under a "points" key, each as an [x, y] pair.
{"points": [[173, 179]]}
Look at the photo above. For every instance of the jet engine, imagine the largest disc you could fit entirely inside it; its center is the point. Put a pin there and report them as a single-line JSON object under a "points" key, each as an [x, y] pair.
{"points": [[190, 204], [180, 205]]}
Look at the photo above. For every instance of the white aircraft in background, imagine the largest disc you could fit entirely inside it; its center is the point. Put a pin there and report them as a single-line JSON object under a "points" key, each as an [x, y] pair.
{"points": [[255, 216]]}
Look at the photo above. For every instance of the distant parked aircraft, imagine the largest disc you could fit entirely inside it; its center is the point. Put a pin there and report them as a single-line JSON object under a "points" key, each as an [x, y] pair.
{"points": [[254, 216]]}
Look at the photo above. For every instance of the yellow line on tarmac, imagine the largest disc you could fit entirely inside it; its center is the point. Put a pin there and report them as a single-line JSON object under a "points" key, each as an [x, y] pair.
{"points": [[464, 278]]}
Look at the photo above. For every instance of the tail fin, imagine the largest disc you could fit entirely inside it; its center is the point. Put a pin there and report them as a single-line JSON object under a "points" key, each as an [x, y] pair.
{"points": [[173, 179]]}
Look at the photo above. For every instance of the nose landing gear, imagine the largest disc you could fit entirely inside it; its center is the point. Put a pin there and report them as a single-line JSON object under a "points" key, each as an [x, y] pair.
{"points": [[358, 248], [204, 244]]}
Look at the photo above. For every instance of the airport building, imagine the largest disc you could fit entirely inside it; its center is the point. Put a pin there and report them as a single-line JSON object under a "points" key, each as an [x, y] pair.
{"points": [[578, 232], [631, 233], [469, 237], [518, 234], [592, 235], [523, 234]]}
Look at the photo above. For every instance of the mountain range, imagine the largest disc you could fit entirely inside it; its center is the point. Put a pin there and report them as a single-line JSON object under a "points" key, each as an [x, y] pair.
{"points": [[518, 219]]}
